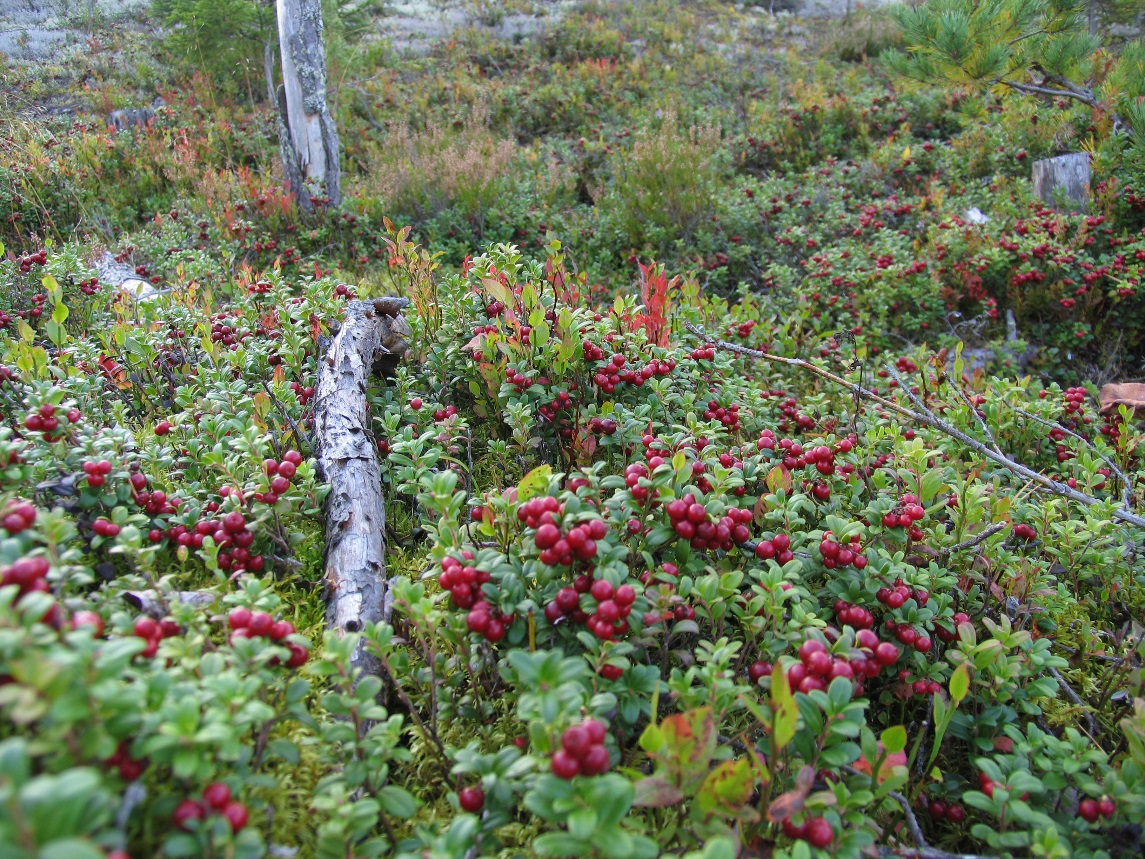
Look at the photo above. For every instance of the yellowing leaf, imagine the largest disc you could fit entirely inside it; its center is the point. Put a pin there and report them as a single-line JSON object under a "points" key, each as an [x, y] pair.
{"points": [[785, 712], [779, 478], [960, 683], [534, 483]]}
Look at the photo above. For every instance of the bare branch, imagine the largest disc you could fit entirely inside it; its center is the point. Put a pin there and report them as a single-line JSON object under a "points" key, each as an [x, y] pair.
{"points": [[1126, 483], [927, 853], [976, 539], [927, 418], [1077, 699]]}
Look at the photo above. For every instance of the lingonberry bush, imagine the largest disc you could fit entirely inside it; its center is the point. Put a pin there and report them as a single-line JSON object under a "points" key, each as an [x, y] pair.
{"points": [[739, 552]]}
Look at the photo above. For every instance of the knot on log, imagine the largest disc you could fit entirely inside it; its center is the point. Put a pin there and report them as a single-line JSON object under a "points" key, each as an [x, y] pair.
{"points": [[390, 306]]}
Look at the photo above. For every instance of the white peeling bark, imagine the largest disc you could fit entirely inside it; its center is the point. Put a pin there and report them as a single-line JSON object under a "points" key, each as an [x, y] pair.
{"points": [[308, 138], [357, 590]]}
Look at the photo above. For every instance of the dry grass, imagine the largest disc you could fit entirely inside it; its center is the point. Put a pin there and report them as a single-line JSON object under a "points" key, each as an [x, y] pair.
{"points": [[423, 173]]}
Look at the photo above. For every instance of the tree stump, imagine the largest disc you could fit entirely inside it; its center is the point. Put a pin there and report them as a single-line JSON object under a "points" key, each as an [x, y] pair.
{"points": [[307, 135], [1065, 178], [357, 591]]}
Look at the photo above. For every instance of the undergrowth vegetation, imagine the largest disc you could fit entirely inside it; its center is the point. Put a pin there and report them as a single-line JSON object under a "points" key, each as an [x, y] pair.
{"points": [[664, 581]]}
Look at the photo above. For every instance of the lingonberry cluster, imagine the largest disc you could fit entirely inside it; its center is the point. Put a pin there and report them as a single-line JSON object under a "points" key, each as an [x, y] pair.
{"points": [[280, 474], [614, 374], [794, 455], [705, 353], [105, 528], [1025, 532], [96, 472], [19, 516], [216, 800], [837, 554], [742, 330], [30, 576], [304, 393], [817, 666], [691, 521], [602, 426], [608, 619], [789, 408], [816, 831], [559, 548], [1073, 400], [153, 631], [344, 290], [486, 620], [777, 546], [245, 623], [90, 286], [45, 419], [582, 751], [941, 810], [729, 416], [906, 515], [920, 687], [444, 414], [517, 379], [908, 635], [129, 768], [637, 472], [1090, 809], [26, 262], [463, 581], [849, 614], [155, 502], [897, 595], [947, 635]]}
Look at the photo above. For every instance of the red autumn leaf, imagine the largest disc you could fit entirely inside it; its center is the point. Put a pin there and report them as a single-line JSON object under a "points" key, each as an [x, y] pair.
{"points": [[897, 759]]}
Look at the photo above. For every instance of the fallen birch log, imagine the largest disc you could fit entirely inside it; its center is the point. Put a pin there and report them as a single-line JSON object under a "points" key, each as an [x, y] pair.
{"points": [[157, 605], [370, 341]]}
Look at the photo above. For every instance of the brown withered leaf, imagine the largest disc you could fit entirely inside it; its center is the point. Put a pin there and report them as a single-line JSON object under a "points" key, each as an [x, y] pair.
{"points": [[791, 802], [656, 792], [1130, 394]]}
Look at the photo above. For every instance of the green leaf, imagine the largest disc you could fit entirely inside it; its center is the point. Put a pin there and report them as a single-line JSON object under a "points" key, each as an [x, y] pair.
{"points": [[284, 749], [785, 714], [894, 739], [561, 844], [652, 740], [397, 801], [960, 683], [70, 848], [582, 823]]}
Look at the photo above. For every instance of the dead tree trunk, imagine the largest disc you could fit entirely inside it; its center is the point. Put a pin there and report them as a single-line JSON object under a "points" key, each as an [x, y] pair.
{"points": [[357, 591], [1067, 174], [307, 136]]}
